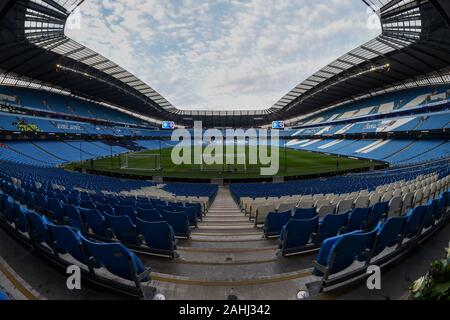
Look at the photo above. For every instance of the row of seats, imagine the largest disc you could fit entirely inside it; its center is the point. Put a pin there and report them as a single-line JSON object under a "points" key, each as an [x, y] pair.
{"points": [[354, 251], [110, 264], [339, 203], [305, 229], [388, 103], [29, 124], [405, 196], [394, 151], [335, 185]]}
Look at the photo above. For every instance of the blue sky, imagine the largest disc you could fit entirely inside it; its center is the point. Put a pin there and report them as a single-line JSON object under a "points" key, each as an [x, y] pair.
{"points": [[223, 54]]}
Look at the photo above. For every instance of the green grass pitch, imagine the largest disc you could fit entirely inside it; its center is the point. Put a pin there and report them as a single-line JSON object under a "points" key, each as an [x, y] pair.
{"points": [[291, 163]]}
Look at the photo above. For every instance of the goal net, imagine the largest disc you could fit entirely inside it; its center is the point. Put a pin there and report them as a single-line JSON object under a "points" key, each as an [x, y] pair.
{"points": [[141, 161]]}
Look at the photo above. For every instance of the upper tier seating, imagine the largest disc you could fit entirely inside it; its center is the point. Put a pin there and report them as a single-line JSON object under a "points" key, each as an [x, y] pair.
{"points": [[381, 105], [55, 103]]}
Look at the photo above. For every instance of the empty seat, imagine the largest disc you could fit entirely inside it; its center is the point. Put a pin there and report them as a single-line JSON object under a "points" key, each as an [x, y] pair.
{"points": [[72, 216], [107, 208], [66, 240], [358, 219], [331, 226], [377, 213], [389, 234], [362, 202], [149, 215], [179, 222], [275, 221], [54, 208], [304, 213], [338, 253], [326, 210], [93, 220], [414, 222], [118, 260], [297, 234], [344, 206], [158, 236], [38, 229], [395, 206], [261, 214], [429, 214], [123, 229]]}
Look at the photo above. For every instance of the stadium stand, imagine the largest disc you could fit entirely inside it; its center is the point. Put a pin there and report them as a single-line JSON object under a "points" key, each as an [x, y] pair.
{"points": [[134, 230]]}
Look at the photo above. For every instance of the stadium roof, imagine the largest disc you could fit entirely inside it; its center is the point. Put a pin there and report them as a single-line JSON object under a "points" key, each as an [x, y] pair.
{"points": [[413, 50]]}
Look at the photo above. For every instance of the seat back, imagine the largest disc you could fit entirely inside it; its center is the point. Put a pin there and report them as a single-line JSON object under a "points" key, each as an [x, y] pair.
{"points": [[72, 216], [55, 209], [326, 210], [389, 234], [344, 206], [157, 235], [106, 208], [298, 233], [116, 258], [95, 221], [331, 225], [123, 229], [429, 214], [304, 213], [275, 221], [345, 250], [67, 241], [377, 212], [414, 222], [149, 215], [395, 206], [358, 219], [362, 202], [38, 229], [179, 222]]}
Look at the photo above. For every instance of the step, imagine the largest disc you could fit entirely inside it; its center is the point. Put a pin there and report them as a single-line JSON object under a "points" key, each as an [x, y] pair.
{"points": [[204, 226]]}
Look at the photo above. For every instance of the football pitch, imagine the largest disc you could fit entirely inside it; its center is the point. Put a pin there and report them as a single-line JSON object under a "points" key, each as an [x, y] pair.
{"points": [[159, 163]]}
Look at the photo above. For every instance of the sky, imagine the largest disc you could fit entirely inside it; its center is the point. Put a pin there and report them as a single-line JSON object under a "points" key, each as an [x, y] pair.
{"points": [[222, 54]]}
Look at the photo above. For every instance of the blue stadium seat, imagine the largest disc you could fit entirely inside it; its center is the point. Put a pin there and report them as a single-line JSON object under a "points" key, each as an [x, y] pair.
{"points": [[430, 213], [414, 222], [149, 215], [389, 234], [3, 296], [275, 221], [72, 216], [107, 208], [305, 213], [179, 222], [158, 236], [297, 234], [117, 259], [358, 219], [38, 229], [21, 222], [126, 210], [331, 226], [95, 221], [123, 229], [377, 213], [66, 240], [338, 253], [55, 209]]}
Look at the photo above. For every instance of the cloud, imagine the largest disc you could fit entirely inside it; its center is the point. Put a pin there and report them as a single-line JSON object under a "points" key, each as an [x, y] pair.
{"points": [[222, 54]]}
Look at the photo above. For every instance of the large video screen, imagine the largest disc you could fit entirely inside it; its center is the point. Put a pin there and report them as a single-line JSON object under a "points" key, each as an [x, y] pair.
{"points": [[168, 125], [278, 125]]}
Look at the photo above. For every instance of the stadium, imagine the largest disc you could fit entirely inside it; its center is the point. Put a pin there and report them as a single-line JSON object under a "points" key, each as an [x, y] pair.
{"points": [[108, 191]]}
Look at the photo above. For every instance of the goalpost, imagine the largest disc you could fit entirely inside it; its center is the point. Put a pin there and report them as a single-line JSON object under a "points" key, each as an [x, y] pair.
{"points": [[141, 161]]}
